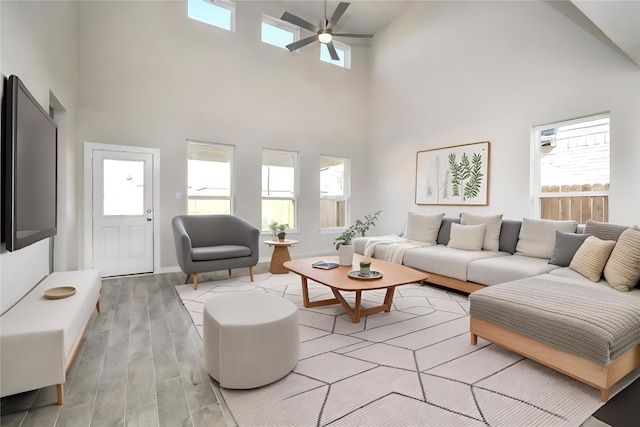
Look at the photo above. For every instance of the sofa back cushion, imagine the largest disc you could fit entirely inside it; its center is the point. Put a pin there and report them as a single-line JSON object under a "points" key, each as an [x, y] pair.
{"points": [[604, 230], [422, 228], [445, 229], [538, 236], [492, 223]]}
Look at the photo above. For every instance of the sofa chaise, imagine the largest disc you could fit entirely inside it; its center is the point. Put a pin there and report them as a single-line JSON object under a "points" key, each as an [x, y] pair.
{"points": [[549, 290]]}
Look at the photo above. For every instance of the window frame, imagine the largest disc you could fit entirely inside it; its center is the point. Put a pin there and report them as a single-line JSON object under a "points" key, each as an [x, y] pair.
{"points": [[224, 4], [232, 181], [536, 155], [296, 188], [347, 54], [346, 196], [283, 25]]}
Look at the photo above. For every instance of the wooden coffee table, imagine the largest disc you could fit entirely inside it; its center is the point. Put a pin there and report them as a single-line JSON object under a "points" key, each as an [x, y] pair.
{"points": [[337, 279]]}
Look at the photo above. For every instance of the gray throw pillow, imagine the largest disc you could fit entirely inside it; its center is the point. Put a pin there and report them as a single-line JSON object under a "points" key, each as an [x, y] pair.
{"points": [[567, 244]]}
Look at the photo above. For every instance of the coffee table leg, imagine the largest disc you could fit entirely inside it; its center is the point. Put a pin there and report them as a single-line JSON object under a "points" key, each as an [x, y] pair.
{"points": [[305, 292], [354, 314], [389, 298], [317, 303]]}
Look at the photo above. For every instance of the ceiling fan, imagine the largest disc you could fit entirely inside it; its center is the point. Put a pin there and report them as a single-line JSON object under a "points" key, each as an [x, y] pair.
{"points": [[323, 31]]}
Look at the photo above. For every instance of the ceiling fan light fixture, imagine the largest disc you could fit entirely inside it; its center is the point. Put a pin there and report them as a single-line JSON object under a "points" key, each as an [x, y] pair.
{"points": [[325, 38]]}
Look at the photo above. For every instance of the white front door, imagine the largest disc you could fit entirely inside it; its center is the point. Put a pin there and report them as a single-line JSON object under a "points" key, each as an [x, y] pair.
{"points": [[122, 212]]}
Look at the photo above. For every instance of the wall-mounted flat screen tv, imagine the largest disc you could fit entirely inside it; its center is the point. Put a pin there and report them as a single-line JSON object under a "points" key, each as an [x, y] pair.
{"points": [[29, 166]]}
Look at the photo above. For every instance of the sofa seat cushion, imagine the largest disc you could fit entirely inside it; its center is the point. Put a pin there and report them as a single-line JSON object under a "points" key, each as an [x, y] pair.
{"points": [[596, 323], [446, 261], [208, 253], [505, 269]]}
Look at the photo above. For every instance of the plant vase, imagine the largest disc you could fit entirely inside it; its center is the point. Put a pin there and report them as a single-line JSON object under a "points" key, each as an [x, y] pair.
{"points": [[281, 236], [345, 254]]}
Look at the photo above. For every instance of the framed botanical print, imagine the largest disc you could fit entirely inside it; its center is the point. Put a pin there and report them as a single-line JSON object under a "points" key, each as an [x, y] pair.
{"points": [[456, 175]]}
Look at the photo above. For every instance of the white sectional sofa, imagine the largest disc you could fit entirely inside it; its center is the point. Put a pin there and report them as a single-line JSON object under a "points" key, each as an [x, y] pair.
{"points": [[39, 337], [539, 288]]}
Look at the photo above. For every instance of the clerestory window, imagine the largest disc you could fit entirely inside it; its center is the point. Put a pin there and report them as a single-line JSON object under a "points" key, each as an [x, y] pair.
{"points": [[278, 33], [343, 51], [219, 13]]}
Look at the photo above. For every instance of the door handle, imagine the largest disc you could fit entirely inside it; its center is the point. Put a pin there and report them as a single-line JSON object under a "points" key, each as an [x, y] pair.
{"points": [[148, 219]]}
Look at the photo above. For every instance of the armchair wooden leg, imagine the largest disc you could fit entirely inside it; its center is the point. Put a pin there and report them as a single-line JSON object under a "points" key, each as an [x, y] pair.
{"points": [[251, 272], [195, 280], [187, 279], [229, 272]]}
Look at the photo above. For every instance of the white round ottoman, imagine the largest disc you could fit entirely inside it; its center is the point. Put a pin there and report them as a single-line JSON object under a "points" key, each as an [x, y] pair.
{"points": [[250, 338]]}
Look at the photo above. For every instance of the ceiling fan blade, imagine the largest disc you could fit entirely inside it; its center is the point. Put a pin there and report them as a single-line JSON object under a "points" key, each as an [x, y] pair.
{"points": [[362, 36], [300, 43], [332, 52], [337, 14], [299, 22]]}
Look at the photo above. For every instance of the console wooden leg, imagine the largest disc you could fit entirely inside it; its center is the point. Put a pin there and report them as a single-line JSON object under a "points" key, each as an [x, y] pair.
{"points": [[604, 395], [474, 339], [60, 388]]}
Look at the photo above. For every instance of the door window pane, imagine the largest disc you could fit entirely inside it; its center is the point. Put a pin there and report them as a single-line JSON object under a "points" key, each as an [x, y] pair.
{"points": [[123, 187]]}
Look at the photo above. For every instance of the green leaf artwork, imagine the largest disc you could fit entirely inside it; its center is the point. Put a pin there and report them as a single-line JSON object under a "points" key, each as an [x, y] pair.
{"points": [[453, 175]]}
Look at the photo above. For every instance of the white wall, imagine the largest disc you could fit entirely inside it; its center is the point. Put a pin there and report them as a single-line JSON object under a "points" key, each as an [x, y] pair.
{"points": [[149, 76], [39, 44], [449, 73]]}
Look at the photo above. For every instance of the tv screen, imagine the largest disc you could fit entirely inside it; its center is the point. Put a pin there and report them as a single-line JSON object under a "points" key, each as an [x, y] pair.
{"points": [[29, 148]]}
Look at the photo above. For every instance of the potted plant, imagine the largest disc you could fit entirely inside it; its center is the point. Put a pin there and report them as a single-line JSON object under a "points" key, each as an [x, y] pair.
{"points": [[281, 233], [365, 268], [343, 241], [359, 227]]}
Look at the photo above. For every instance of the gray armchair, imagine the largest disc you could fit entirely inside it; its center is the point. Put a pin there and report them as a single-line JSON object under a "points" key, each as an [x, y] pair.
{"points": [[214, 242]]}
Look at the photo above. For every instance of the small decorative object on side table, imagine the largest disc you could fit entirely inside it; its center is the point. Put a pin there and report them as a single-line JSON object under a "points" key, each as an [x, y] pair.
{"points": [[280, 255]]}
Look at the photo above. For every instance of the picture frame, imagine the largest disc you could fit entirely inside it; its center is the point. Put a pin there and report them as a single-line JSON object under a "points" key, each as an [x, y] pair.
{"points": [[457, 175]]}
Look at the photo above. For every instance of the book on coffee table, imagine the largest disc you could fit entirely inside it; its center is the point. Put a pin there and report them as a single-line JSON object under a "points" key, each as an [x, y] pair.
{"points": [[325, 265]]}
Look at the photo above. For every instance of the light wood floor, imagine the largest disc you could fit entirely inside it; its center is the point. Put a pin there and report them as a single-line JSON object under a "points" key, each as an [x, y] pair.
{"points": [[140, 364]]}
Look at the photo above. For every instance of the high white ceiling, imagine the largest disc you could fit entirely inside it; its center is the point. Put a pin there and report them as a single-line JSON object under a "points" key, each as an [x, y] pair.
{"points": [[619, 20]]}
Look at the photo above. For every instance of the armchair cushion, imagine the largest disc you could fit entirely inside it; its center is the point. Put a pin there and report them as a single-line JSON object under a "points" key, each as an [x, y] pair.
{"points": [[207, 253]]}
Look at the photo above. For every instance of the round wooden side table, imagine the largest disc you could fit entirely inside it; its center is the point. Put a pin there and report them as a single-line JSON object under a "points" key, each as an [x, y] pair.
{"points": [[280, 255]]}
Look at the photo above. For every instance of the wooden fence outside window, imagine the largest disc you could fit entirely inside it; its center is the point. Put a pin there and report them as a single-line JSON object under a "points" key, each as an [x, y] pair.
{"points": [[575, 202]]}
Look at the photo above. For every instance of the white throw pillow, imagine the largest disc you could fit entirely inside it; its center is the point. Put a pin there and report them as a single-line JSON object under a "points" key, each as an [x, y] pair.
{"points": [[538, 236], [422, 228], [493, 225], [467, 237]]}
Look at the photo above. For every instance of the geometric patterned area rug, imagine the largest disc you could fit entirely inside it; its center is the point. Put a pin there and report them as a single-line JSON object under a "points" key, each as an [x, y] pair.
{"points": [[413, 366]]}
